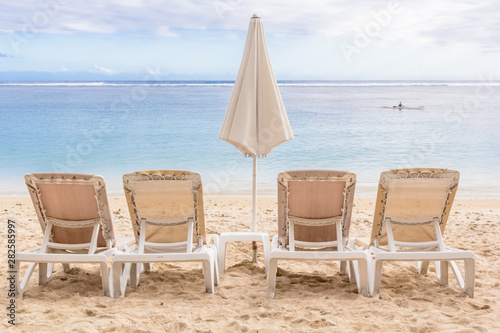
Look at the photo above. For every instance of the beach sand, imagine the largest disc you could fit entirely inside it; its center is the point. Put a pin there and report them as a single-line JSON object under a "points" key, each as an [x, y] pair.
{"points": [[310, 296]]}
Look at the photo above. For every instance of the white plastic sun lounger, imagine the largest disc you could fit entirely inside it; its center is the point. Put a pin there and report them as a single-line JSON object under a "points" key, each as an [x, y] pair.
{"points": [[314, 215], [166, 209], [76, 222], [411, 212]]}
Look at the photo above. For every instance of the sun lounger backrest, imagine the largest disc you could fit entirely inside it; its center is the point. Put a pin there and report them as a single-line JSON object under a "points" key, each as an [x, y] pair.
{"points": [[314, 194], [71, 197], [411, 195], [165, 195]]}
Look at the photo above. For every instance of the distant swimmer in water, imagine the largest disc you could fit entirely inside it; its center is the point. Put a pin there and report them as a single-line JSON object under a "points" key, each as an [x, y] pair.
{"points": [[400, 105]]}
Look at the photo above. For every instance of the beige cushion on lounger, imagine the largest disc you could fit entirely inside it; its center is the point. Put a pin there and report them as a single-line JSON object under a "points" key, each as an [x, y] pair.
{"points": [[407, 194], [71, 197], [314, 194], [174, 195]]}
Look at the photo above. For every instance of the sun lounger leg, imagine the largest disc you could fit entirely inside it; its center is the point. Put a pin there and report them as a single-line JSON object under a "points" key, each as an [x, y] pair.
{"points": [[105, 278], [377, 277], [221, 254], [50, 269], [351, 272], [43, 273], [351, 243], [343, 267], [208, 273], [216, 265], [271, 277], [423, 266], [67, 267], [266, 245], [470, 276], [362, 277], [27, 276], [118, 279], [442, 272], [17, 275], [371, 270], [135, 273], [458, 276], [147, 266]]}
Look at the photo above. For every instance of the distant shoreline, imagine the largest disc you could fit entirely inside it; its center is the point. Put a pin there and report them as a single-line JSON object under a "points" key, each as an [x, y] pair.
{"points": [[283, 83]]}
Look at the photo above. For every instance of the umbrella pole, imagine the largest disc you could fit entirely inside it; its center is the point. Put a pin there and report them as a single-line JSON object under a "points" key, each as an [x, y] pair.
{"points": [[254, 207]]}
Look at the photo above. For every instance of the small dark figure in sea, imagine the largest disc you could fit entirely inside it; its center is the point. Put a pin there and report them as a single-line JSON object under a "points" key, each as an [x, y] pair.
{"points": [[400, 105]]}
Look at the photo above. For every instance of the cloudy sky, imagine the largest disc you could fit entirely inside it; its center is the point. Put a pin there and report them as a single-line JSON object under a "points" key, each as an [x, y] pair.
{"points": [[198, 39]]}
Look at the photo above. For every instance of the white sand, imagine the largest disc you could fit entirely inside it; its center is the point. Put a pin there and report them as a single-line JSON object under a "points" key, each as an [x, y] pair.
{"points": [[310, 296]]}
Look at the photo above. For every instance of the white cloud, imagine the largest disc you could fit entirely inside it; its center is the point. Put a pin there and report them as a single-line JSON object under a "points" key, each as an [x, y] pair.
{"points": [[164, 31], [423, 22], [99, 69], [304, 37], [88, 26]]}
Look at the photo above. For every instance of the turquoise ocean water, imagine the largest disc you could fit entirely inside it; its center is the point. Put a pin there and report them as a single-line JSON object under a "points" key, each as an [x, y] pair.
{"points": [[112, 128]]}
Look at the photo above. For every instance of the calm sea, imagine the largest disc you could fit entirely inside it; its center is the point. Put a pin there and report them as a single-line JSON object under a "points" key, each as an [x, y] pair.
{"points": [[112, 128]]}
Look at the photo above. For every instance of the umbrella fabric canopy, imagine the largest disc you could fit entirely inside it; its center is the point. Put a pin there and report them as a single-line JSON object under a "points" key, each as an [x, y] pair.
{"points": [[256, 119]]}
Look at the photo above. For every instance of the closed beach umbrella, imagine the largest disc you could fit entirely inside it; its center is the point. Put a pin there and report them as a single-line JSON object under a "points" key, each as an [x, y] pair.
{"points": [[256, 120]]}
